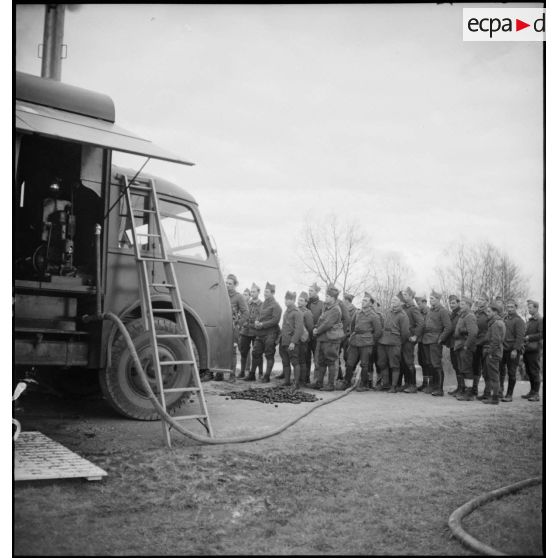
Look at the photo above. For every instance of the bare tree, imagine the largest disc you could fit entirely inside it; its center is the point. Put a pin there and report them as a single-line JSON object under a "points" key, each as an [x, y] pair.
{"points": [[390, 276], [337, 252], [480, 268]]}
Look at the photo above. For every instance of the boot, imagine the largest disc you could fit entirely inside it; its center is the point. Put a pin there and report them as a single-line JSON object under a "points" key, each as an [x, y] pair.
{"points": [[296, 372], [527, 395], [242, 374], [410, 389], [467, 395], [332, 370], [534, 397], [260, 369], [269, 367], [423, 385], [287, 376], [251, 377], [394, 380], [494, 400], [459, 389], [475, 387], [428, 388], [318, 377]]}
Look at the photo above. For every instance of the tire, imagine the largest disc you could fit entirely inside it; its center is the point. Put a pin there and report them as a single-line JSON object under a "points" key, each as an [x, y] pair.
{"points": [[121, 383]]}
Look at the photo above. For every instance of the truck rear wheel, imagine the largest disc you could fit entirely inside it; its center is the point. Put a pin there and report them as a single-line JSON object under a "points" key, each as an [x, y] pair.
{"points": [[121, 382]]}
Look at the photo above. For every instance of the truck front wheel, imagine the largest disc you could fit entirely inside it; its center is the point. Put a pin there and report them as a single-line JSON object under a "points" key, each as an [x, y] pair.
{"points": [[121, 382]]}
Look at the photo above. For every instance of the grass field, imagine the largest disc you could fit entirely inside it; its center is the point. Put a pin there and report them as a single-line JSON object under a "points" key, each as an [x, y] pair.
{"points": [[374, 491]]}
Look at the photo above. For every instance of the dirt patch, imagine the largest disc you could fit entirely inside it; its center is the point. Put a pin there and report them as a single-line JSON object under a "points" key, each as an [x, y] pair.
{"points": [[371, 473]]}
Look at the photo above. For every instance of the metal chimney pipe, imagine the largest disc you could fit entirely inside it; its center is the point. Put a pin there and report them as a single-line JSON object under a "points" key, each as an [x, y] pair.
{"points": [[53, 37]]}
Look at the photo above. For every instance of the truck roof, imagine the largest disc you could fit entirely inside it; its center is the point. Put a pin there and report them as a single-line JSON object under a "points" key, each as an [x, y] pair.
{"points": [[163, 186]]}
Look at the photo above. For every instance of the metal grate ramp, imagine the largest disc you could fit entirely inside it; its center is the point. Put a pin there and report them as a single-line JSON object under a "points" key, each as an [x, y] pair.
{"points": [[37, 457]]}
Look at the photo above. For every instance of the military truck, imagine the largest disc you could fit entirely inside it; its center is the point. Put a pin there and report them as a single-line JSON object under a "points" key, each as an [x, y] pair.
{"points": [[73, 254]]}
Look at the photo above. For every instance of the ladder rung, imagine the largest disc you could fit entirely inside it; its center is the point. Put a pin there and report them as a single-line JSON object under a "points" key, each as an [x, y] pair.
{"points": [[168, 285], [133, 186], [179, 390], [172, 336], [173, 362], [167, 310], [186, 417], [148, 234], [143, 259], [144, 210]]}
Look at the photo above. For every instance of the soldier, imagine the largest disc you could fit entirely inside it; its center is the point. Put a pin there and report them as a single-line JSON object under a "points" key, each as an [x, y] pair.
{"points": [[533, 346], [267, 331], [492, 352], [291, 332], [364, 333], [329, 334], [416, 325], [316, 306], [465, 336], [395, 333], [482, 324], [308, 322], [239, 315], [248, 334], [513, 343], [455, 310], [422, 303], [348, 310], [437, 328]]}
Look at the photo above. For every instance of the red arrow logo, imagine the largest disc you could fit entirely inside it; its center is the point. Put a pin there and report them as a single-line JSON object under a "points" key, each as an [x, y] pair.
{"points": [[519, 25]]}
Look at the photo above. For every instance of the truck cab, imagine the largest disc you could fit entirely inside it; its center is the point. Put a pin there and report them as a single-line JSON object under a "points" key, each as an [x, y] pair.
{"points": [[73, 251]]}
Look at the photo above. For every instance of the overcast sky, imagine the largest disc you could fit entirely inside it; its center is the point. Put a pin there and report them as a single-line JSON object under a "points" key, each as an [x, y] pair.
{"points": [[376, 112]]}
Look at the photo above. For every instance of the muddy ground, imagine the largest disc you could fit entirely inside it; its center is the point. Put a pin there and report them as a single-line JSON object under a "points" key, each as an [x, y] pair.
{"points": [[304, 491]]}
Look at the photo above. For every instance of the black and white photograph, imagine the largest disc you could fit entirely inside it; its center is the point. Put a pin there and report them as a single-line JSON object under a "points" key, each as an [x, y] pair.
{"points": [[279, 279]]}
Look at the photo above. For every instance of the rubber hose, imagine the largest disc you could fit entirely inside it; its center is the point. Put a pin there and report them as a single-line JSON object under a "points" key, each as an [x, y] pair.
{"points": [[176, 425], [460, 513]]}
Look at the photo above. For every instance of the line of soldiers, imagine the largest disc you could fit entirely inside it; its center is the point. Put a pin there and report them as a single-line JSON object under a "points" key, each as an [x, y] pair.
{"points": [[485, 342]]}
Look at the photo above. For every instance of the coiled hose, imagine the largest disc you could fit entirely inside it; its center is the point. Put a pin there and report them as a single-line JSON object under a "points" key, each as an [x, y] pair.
{"points": [[175, 424], [460, 513]]}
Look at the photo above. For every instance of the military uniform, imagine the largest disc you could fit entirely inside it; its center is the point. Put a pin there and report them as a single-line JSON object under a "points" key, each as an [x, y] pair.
{"points": [[365, 331], [513, 342], [239, 316], [329, 334], [493, 351], [532, 355], [437, 328], [291, 332], [421, 352], [248, 333], [348, 310], [308, 323], [482, 325], [416, 326], [266, 337], [316, 307], [395, 333], [464, 345]]}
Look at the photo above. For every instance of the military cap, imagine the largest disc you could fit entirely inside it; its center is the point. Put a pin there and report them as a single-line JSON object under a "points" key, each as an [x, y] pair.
{"points": [[270, 287], [468, 300], [453, 297], [400, 296], [315, 287], [435, 294], [233, 278], [497, 307], [511, 301], [304, 295], [348, 297], [246, 291], [421, 298], [291, 295], [533, 302], [484, 296], [333, 291], [368, 295], [254, 286]]}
